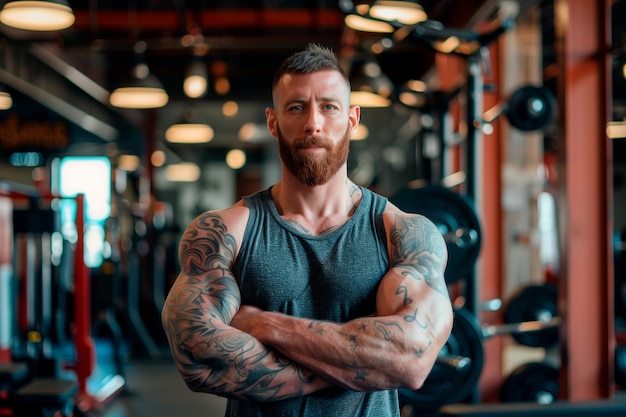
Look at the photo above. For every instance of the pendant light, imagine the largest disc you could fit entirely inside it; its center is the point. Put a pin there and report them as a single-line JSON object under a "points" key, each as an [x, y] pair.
{"points": [[382, 15], [42, 15], [196, 79], [143, 90], [404, 12], [189, 131], [5, 99], [371, 88]]}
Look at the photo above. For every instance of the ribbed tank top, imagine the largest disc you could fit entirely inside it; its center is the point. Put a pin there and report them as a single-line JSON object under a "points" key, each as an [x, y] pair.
{"points": [[331, 277]]}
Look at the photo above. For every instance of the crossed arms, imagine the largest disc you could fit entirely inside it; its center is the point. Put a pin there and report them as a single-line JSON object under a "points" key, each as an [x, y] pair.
{"points": [[224, 348]]}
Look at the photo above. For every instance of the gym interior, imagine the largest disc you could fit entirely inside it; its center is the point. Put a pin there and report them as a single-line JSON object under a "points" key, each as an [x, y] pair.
{"points": [[501, 120]]}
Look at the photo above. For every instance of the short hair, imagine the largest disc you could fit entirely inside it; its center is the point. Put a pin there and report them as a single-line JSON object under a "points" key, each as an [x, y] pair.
{"points": [[312, 59]]}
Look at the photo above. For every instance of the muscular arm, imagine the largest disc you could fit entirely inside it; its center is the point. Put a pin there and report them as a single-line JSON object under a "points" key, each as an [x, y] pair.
{"points": [[211, 355], [394, 348]]}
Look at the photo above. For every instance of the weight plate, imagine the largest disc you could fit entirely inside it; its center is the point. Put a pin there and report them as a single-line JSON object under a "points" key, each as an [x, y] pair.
{"points": [[536, 382], [531, 108], [455, 217], [446, 385], [534, 303]]}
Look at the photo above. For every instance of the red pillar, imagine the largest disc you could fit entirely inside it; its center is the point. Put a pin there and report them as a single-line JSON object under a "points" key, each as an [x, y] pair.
{"points": [[586, 283], [491, 269]]}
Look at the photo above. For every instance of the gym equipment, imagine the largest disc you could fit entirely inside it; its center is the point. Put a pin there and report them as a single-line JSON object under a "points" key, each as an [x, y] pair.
{"points": [[536, 382], [60, 370], [456, 219], [46, 397], [529, 108], [535, 305], [455, 374]]}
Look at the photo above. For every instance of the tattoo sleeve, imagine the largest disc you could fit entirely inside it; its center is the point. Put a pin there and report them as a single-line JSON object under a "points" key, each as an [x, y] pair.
{"points": [[418, 250], [210, 355]]}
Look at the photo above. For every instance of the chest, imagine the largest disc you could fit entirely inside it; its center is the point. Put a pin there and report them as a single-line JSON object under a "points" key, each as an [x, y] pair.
{"points": [[330, 278]]}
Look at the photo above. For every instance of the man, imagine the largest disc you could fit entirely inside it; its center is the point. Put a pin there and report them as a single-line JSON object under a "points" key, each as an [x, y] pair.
{"points": [[316, 296]]}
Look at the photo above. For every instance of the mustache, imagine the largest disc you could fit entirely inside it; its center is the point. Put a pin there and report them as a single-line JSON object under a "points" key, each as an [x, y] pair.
{"points": [[310, 141]]}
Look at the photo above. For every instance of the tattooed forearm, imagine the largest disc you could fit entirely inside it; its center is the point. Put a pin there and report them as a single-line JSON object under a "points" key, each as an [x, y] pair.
{"points": [[418, 250], [412, 318]]}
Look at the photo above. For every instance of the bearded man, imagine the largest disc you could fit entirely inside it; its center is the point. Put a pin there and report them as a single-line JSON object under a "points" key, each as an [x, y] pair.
{"points": [[315, 296]]}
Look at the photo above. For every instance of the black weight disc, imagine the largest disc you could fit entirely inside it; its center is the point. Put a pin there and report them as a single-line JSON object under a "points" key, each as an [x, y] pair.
{"points": [[444, 384], [531, 108], [451, 212], [534, 303], [536, 382]]}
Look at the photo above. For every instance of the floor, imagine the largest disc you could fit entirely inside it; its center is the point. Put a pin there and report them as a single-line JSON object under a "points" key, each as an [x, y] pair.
{"points": [[154, 389]]}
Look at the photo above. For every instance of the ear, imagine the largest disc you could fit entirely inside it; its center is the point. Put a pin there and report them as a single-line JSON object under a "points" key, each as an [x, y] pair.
{"points": [[270, 119], [354, 117]]}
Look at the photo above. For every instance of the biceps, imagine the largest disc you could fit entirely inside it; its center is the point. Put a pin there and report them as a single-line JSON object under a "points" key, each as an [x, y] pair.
{"points": [[195, 308], [398, 293]]}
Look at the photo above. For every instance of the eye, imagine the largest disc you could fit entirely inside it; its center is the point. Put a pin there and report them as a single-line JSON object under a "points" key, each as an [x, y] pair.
{"points": [[297, 107]]}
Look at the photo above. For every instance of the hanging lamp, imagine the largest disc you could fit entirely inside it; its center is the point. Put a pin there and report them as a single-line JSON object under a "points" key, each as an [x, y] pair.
{"points": [[189, 130], [143, 90], [42, 15]]}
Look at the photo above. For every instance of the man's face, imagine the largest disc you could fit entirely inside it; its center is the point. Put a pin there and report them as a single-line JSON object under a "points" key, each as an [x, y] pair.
{"points": [[313, 122]]}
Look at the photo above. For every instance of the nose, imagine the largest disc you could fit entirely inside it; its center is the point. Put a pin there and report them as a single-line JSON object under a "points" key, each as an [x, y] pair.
{"points": [[313, 123]]}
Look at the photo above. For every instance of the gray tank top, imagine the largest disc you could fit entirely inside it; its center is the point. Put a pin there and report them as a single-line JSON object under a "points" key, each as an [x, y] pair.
{"points": [[331, 277]]}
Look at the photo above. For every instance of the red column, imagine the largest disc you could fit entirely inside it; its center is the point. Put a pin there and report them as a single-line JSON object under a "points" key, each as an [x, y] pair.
{"points": [[491, 270], [586, 284]]}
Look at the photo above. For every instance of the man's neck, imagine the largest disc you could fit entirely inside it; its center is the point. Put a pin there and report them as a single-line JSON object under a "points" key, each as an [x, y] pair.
{"points": [[316, 209]]}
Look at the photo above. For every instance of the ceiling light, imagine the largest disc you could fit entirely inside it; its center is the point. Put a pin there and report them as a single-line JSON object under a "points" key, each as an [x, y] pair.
{"points": [[43, 15], [417, 85], [230, 108], [158, 158], [5, 100], [235, 158], [364, 24], [616, 130], [189, 133], [368, 99], [371, 88], [143, 90], [412, 99], [128, 163], [196, 79], [404, 12], [183, 172], [222, 86]]}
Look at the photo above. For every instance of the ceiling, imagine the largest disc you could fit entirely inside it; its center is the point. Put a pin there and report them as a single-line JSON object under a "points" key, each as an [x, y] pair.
{"points": [[72, 72], [245, 38]]}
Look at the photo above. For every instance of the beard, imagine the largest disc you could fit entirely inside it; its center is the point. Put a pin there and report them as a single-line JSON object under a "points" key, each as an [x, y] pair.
{"points": [[313, 169]]}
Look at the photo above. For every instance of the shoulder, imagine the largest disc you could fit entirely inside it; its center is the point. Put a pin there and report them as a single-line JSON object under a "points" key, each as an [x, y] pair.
{"points": [[412, 230], [220, 229]]}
